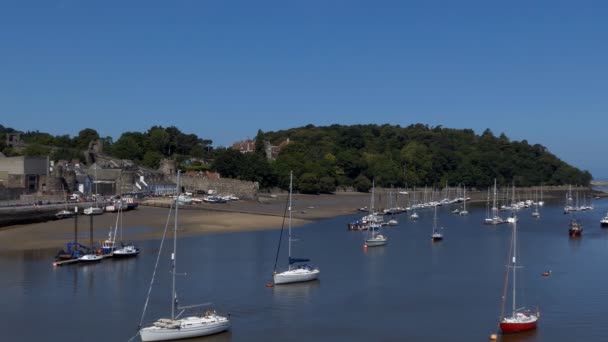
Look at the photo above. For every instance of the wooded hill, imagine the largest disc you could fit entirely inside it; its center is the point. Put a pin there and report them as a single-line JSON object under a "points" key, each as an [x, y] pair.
{"points": [[420, 155], [324, 158]]}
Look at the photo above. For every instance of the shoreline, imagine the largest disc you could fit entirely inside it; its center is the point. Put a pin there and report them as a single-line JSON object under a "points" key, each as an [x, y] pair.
{"points": [[197, 219]]}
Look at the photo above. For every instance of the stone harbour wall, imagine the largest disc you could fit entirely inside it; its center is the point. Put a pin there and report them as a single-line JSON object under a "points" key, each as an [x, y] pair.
{"points": [[222, 186]]}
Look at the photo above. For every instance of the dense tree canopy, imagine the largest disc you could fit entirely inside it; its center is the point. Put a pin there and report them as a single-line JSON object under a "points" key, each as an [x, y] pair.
{"points": [[325, 158]]}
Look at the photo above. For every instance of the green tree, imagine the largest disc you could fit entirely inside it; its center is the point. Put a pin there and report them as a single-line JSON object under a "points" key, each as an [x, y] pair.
{"points": [[362, 184], [84, 137], [308, 183], [152, 159], [327, 185], [259, 143]]}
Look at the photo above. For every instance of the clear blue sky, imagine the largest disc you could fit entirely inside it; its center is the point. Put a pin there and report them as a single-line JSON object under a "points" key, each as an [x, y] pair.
{"points": [[535, 70]]}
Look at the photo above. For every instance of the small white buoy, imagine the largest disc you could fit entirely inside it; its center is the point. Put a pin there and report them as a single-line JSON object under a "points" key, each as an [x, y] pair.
{"points": [[493, 337]]}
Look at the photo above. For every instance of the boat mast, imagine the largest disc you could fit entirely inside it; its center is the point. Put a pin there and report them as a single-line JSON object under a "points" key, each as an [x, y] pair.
{"points": [[173, 255], [514, 260], [289, 208]]}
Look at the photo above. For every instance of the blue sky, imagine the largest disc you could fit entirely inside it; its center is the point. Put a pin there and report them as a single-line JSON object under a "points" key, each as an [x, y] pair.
{"points": [[535, 70]]}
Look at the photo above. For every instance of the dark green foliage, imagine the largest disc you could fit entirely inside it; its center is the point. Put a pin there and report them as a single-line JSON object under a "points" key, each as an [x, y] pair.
{"points": [[327, 185], [84, 138], [308, 183], [259, 143], [362, 183], [36, 150], [325, 158], [419, 155]]}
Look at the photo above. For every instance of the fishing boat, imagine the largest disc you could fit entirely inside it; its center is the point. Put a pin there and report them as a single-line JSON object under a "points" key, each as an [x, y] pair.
{"points": [[436, 235], [520, 319], [206, 323], [296, 271], [375, 237]]}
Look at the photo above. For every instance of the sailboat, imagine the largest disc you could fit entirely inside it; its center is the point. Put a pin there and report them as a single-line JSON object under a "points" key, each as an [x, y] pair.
{"points": [[90, 256], [437, 235], [520, 319], [375, 237], [175, 327], [127, 249], [464, 211], [295, 272], [575, 227], [414, 215], [495, 218], [535, 213]]}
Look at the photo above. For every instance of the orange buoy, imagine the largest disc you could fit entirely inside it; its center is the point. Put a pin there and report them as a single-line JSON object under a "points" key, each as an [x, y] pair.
{"points": [[546, 274], [365, 246], [269, 284], [493, 337]]}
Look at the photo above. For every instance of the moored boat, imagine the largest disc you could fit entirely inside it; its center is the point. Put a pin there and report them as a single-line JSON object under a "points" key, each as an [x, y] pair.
{"points": [[604, 221], [575, 229], [520, 319]]}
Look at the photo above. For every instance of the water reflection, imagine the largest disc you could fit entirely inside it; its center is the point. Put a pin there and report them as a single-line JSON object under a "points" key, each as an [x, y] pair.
{"points": [[519, 337], [294, 293]]}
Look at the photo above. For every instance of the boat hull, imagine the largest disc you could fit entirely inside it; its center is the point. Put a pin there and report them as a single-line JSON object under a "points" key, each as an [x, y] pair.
{"points": [[167, 334], [509, 328], [375, 242], [575, 232], [294, 276], [604, 224]]}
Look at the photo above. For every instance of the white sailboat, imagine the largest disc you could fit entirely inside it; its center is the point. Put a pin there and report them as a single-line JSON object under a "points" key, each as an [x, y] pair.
{"points": [[295, 273], [127, 249], [437, 235], [175, 327], [536, 213], [90, 256], [375, 237], [414, 215], [464, 211]]}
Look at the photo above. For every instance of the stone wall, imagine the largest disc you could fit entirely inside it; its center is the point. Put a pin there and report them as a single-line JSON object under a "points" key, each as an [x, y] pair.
{"points": [[224, 186], [10, 194]]}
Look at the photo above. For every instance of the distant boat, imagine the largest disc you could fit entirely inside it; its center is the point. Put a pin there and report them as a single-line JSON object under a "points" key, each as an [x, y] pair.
{"points": [[436, 235], [296, 272], [90, 256], [375, 237], [127, 249], [64, 214], [174, 328], [520, 319], [464, 211], [93, 211], [575, 228], [604, 221]]}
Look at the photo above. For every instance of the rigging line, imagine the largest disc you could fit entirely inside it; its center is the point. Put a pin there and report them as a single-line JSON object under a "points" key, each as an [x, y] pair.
{"points": [[276, 259], [156, 266], [506, 284], [134, 336]]}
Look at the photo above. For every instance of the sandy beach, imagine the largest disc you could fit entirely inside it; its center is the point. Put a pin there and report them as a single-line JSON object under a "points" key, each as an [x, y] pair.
{"points": [[196, 219]]}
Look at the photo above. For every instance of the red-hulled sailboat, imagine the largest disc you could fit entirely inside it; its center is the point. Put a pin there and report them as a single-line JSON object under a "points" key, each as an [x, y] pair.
{"points": [[520, 319], [576, 228]]}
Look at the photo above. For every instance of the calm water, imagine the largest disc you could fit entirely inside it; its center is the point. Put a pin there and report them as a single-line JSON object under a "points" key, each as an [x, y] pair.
{"points": [[409, 290]]}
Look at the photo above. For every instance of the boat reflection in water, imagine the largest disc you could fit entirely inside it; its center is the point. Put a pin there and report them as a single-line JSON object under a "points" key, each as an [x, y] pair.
{"points": [[295, 293]]}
